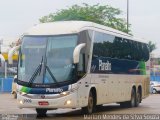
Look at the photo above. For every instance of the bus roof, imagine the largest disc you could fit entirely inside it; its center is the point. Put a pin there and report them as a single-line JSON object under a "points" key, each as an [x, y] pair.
{"points": [[71, 27]]}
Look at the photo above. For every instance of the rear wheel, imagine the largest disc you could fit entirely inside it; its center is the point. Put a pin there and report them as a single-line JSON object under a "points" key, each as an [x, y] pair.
{"points": [[91, 104], [132, 102], [41, 112], [138, 98]]}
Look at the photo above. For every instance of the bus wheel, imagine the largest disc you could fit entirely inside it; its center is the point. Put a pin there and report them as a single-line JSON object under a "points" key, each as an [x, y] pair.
{"points": [[154, 91], [138, 98], [41, 112], [132, 102], [91, 105]]}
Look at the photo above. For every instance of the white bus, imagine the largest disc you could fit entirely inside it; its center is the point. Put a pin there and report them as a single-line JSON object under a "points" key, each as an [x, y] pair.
{"points": [[78, 64]]}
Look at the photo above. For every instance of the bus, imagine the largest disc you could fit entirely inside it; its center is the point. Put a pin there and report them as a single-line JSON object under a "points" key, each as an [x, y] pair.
{"points": [[80, 64]]}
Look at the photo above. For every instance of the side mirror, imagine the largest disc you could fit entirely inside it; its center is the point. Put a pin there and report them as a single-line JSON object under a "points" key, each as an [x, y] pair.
{"points": [[76, 52]]}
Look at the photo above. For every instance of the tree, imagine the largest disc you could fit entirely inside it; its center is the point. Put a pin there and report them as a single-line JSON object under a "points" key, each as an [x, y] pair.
{"points": [[105, 15], [152, 46]]}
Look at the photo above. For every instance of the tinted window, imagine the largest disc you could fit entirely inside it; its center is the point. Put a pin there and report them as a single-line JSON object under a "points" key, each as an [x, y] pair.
{"points": [[116, 47], [116, 55]]}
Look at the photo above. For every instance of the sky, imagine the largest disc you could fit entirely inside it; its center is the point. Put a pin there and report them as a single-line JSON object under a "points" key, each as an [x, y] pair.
{"points": [[16, 16]]}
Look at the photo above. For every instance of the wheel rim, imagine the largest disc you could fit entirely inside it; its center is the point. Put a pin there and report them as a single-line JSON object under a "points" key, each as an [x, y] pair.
{"points": [[138, 99], [154, 91], [133, 100], [90, 104]]}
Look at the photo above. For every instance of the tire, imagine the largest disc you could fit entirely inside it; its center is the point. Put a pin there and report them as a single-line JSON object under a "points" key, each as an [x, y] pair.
{"points": [[154, 91], [132, 102], [41, 112], [138, 98], [89, 109]]}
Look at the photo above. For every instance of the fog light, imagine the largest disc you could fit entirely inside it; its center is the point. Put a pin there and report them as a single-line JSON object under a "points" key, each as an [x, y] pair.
{"points": [[68, 102], [21, 102]]}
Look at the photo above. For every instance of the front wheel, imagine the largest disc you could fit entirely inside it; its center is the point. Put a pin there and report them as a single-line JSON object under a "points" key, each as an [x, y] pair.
{"points": [[91, 105], [41, 112]]}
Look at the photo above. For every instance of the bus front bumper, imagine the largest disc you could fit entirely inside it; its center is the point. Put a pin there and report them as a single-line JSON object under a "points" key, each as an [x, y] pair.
{"points": [[68, 101]]}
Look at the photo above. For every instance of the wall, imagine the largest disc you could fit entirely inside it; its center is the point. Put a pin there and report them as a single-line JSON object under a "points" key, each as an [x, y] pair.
{"points": [[6, 84]]}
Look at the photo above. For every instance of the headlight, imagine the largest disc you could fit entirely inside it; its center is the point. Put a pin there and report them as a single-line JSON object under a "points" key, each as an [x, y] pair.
{"points": [[71, 90], [65, 93]]}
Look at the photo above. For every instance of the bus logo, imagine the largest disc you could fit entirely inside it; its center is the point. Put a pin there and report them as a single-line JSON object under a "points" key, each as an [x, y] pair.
{"points": [[104, 66], [42, 96], [54, 90]]}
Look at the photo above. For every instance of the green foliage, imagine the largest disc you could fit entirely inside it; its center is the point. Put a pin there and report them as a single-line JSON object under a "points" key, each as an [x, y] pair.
{"points": [[152, 46], [105, 15]]}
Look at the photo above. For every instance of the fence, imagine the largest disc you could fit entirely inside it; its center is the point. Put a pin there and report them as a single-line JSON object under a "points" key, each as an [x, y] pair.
{"points": [[6, 84], [155, 78]]}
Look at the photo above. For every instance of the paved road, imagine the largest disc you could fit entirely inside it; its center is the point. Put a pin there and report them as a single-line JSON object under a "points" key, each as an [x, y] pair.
{"points": [[150, 105]]}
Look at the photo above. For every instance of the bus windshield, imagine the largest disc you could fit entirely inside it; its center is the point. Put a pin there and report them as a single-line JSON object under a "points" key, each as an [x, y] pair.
{"points": [[46, 59]]}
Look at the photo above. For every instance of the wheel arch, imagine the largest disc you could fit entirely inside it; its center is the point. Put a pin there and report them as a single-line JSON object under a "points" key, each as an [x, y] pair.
{"points": [[134, 88], [94, 91]]}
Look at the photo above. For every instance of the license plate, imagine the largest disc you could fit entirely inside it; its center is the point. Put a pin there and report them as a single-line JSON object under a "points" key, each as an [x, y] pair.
{"points": [[41, 103]]}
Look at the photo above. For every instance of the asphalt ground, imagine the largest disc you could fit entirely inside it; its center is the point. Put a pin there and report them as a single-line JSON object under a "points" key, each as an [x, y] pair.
{"points": [[149, 108]]}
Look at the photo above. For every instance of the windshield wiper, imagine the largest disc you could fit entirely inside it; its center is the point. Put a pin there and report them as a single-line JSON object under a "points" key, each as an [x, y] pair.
{"points": [[40, 68], [36, 72], [49, 71]]}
